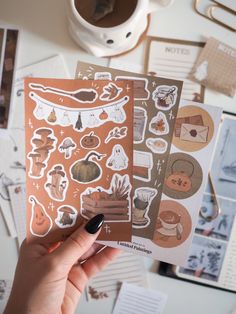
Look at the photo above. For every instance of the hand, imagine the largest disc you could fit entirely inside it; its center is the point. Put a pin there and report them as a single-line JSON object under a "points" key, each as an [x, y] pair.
{"points": [[53, 282]]}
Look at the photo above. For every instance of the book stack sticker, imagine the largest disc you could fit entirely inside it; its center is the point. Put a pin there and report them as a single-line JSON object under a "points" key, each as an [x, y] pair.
{"points": [[173, 145], [79, 157]]}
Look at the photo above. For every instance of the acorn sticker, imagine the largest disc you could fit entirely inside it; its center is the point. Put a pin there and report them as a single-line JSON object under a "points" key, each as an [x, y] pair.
{"points": [[66, 216], [40, 221]]}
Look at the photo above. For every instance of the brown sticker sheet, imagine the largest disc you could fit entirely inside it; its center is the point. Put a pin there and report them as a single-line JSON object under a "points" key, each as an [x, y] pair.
{"points": [[156, 103], [79, 157]]}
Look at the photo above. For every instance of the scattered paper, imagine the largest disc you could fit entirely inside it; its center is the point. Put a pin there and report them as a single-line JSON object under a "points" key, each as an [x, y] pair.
{"points": [[5, 290], [127, 267], [17, 195], [138, 300]]}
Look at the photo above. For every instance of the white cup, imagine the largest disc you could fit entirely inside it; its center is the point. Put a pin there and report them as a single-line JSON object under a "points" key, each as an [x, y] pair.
{"points": [[110, 41]]}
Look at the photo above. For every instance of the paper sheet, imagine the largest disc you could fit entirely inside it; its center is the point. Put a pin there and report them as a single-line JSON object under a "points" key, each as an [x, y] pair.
{"points": [[138, 300], [17, 195], [175, 59], [5, 290], [79, 152], [12, 165], [127, 267]]}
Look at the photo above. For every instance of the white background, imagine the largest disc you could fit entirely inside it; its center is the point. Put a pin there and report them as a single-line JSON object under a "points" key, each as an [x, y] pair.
{"points": [[44, 33]]}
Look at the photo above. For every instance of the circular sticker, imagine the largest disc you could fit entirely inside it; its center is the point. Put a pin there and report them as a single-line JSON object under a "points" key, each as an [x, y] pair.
{"points": [[194, 129], [173, 225], [183, 176]]}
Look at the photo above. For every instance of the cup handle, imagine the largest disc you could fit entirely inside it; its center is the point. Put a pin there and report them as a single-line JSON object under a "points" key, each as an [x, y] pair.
{"points": [[155, 5]]}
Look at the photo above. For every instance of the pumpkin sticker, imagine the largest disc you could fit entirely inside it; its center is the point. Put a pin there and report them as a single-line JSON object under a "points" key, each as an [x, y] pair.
{"points": [[57, 183], [87, 170], [90, 122], [66, 216], [40, 221], [90, 141], [118, 160]]}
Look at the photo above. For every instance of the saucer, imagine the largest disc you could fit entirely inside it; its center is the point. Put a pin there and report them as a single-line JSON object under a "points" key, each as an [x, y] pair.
{"points": [[140, 221], [171, 232]]}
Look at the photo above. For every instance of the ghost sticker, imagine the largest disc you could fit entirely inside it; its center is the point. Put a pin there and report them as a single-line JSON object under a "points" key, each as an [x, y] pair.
{"points": [[118, 160], [67, 146], [66, 216], [40, 221], [57, 183]]}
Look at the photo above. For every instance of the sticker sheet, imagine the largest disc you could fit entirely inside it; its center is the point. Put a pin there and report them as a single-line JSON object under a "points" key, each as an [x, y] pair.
{"points": [[156, 102], [79, 156], [184, 184]]}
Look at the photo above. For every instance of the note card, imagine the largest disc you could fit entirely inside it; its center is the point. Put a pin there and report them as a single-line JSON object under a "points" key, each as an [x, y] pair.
{"points": [[138, 300]]}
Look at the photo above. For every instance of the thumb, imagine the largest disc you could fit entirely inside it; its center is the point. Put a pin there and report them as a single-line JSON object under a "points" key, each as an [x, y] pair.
{"points": [[79, 242]]}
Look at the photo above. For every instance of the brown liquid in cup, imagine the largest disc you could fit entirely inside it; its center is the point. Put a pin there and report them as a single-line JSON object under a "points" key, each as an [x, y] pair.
{"points": [[121, 13], [169, 217]]}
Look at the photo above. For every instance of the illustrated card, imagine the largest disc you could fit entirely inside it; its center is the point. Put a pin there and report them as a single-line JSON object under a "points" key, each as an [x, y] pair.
{"points": [[156, 102], [79, 156], [8, 51]]}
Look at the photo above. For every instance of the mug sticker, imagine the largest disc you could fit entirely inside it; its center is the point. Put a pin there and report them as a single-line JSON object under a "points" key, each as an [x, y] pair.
{"points": [[174, 225], [140, 122], [143, 198], [157, 145], [183, 176]]}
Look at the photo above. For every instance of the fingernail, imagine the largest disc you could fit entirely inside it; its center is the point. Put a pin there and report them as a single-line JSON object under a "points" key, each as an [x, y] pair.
{"points": [[94, 224]]}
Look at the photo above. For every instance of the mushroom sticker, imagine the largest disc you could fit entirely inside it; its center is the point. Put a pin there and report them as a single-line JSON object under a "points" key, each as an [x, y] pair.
{"points": [[57, 183], [67, 146], [40, 221], [87, 170], [66, 216], [44, 143]]}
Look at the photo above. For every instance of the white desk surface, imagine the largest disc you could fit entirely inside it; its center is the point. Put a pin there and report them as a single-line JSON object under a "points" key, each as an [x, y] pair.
{"points": [[44, 33]]}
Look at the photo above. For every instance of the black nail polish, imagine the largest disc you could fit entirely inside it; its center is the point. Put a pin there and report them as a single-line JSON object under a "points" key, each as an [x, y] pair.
{"points": [[94, 224]]}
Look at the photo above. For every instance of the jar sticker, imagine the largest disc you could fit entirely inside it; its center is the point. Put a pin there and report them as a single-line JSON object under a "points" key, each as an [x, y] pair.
{"points": [[140, 121], [165, 97]]}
